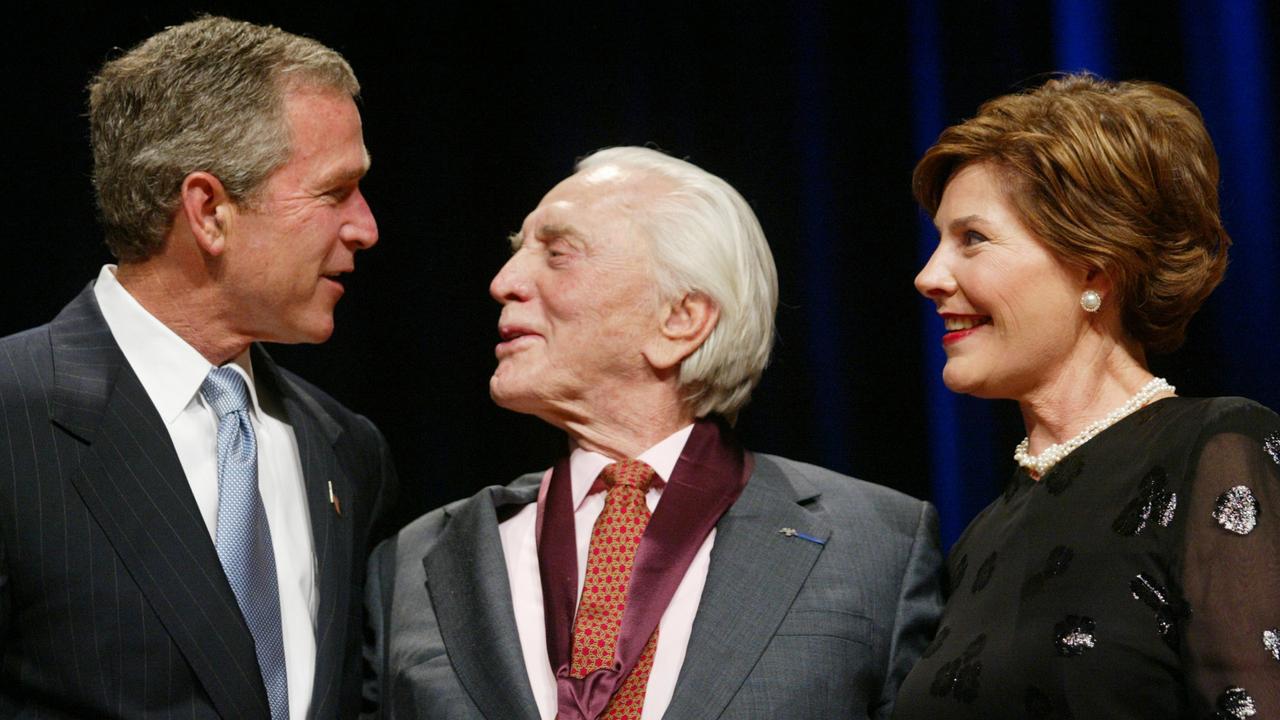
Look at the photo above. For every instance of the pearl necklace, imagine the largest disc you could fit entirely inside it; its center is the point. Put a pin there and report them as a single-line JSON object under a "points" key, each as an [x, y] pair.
{"points": [[1040, 464]]}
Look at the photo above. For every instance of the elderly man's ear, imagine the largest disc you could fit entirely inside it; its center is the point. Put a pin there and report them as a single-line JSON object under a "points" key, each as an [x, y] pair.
{"points": [[206, 207], [684, 326]]}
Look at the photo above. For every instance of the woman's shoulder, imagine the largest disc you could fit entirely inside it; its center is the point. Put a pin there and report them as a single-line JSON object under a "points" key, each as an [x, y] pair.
{"points": [[1212, 445], [1215, 408], [1180, 427], [1191, 417]]}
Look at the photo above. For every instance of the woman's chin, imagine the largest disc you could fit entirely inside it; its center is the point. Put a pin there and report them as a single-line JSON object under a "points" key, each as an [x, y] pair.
{"points": [[964, 382], [958, 380]]}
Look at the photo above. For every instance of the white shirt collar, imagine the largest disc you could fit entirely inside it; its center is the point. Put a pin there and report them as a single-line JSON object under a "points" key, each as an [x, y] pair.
{"points": [[170, 370], [585, 465]]}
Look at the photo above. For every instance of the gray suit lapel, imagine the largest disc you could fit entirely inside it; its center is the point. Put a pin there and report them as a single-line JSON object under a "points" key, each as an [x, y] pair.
{"points": [[755, 574], [132, 483], [467, 581]]}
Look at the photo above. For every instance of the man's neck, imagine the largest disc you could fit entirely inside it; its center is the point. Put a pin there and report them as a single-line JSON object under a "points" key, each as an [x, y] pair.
{"points": [[183, 307], [624, 434]]}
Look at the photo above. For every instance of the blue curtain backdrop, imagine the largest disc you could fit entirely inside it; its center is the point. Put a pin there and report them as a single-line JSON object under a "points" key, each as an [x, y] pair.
{"points": [[815, 111]]}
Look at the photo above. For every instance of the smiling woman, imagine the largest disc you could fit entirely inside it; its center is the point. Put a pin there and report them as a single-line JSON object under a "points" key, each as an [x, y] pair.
{"points": [[1000, 292], [1129, 569]]}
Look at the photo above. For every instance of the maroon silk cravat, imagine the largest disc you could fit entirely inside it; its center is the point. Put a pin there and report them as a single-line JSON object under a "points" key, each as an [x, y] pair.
{"points": [[710, 474], [610, 558]]}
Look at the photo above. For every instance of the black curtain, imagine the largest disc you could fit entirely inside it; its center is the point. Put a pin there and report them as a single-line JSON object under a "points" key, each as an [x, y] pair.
{"points": [[816, 112]]}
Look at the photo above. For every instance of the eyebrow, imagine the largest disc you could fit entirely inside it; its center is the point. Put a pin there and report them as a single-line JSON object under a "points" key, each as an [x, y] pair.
{"points": [[962, 222], [547, 232], [558, 230], [344, 176]]}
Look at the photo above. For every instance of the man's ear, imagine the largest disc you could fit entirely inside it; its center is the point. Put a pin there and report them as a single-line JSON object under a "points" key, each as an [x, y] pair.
{"points": [[684, 325], [206, 207]]}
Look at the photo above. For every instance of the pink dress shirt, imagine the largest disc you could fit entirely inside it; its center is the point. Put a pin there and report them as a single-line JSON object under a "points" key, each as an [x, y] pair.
{"points": [[521, 552]]}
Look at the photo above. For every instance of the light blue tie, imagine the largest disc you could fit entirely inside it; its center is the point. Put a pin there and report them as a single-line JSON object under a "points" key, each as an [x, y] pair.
{"points": [[243, 536]]}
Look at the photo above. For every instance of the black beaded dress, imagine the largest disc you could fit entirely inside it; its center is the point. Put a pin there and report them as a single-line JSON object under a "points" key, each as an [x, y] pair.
{"points": [[1140, 578]]}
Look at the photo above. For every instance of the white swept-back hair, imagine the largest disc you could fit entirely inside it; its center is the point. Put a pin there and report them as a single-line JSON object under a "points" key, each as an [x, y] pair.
{"points": [[705, 239]]}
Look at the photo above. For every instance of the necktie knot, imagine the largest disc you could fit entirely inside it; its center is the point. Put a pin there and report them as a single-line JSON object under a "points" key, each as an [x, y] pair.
{"points": [[628, 473], [225, 391]]}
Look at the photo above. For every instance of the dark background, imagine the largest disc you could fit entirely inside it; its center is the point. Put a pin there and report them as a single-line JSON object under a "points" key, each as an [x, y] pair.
{"points": [[816, 112]]}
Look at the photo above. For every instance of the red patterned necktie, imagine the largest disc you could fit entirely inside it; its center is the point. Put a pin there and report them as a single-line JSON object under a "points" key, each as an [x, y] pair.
{"points": [[610, 558]]}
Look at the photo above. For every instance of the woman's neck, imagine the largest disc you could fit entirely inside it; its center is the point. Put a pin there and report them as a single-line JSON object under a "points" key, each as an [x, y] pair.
{"points": [[1081, 393]]}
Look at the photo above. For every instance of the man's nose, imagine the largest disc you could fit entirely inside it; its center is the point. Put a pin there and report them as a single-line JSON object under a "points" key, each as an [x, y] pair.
{"points": [[509, 285], [361, 229]]}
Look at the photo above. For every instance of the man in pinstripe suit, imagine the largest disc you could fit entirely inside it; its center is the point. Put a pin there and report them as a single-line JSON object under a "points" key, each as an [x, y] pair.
{"points": [[227, 161]]}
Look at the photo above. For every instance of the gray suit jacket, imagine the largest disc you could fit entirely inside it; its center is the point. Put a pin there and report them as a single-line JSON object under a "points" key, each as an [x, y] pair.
{"points": [[113, 603], [786, 628]]}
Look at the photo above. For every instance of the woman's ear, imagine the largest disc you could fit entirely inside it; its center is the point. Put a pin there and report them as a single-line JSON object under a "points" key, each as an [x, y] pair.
{"points": [[1098, 280]]}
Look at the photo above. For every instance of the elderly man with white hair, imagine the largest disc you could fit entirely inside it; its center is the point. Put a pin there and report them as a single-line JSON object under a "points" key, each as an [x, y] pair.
{"points": [[658, 569]]}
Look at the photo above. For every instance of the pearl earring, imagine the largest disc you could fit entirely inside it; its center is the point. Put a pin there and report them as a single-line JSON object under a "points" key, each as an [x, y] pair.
{"points": [[1090, 300]]}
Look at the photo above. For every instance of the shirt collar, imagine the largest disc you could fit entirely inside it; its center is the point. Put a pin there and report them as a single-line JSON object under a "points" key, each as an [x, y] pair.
{"points": [[585, 465], [170, 370]]}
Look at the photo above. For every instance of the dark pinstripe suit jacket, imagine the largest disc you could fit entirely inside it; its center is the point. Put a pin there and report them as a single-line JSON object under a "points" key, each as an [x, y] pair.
{"points": [[112, 601]]}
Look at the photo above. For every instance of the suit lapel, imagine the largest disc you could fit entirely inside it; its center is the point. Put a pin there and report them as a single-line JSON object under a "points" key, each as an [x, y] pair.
{"points": [[467, 580], [132, 482], [738, 613], [319, 439]]}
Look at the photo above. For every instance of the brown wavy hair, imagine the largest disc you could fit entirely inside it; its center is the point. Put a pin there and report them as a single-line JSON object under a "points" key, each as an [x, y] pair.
{"points": [[1114, 176]]}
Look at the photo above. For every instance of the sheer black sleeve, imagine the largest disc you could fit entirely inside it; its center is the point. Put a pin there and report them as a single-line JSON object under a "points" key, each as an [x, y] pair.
{"points": [[1231, 567]]}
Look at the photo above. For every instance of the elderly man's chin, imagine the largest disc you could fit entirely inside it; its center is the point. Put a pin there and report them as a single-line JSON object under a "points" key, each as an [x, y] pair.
{"points": [[509, 390], [532, 392]]}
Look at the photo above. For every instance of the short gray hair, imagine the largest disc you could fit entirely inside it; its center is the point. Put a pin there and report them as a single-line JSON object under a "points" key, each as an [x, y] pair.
{"points": [[207, 95], [706, 239]]}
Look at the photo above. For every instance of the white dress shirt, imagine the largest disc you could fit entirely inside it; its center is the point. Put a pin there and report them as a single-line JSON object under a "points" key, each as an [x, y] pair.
{"points": [[171, 371], [521, 551]]}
